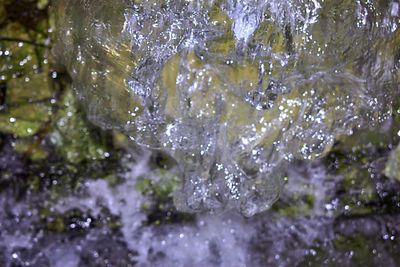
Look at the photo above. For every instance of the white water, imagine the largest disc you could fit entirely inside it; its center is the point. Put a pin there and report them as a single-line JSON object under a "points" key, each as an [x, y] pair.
{"points": [[212, 240]]}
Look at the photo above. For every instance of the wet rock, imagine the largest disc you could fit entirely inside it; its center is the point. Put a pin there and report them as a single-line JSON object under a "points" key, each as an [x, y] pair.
{"points": [[392, 168]]}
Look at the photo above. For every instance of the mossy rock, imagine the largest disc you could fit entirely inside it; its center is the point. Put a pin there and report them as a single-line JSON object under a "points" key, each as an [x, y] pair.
{"points": [[28, 106], [31, 148], [392, 168], [359, 247], [74, 139], [160, 192], [297, 205]]}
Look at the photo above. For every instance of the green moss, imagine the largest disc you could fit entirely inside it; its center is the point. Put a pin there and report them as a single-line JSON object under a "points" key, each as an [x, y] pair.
{"points": [[28, 107], [164, 189], [317, 256], [57, 225], [31, 148], [42, 4], [72, 136], [143, 185], [359, 191], [297, 205], [392, 167], [159, 187], [225, 44], [112, 179], [359, 246]]}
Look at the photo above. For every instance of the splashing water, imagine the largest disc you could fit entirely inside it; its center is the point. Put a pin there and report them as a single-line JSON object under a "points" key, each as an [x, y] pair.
{"points": [[225, 239], [232, 90]]}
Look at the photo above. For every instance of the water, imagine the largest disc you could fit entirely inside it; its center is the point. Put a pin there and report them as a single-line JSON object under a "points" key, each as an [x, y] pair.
{"points": [[326, 236], [233, 91], [260, 133]]}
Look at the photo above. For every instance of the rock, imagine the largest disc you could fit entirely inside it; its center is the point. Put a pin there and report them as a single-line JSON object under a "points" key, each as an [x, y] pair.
{"points": [[28, 105], [71, 135], [392, 168]]}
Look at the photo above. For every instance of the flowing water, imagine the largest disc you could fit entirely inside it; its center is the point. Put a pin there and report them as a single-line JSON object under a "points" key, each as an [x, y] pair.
{"points": [[324, 236], [233, 90], [260, 134]]}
